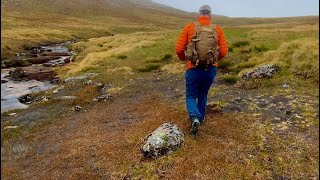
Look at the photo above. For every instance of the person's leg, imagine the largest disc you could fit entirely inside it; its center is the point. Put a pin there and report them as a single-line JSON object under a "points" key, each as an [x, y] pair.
{"points": [[192, 87], [207, 80]]}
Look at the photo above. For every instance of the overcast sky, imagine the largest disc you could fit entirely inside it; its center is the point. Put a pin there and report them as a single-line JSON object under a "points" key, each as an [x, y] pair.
{"points": [[250, 8]]}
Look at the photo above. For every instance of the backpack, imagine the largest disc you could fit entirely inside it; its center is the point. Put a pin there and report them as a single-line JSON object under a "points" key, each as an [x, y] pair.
{"points": [[203, 50]]}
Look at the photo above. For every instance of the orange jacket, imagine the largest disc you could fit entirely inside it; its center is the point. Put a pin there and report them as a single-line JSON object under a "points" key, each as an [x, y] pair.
{"points": [[186, 36]]}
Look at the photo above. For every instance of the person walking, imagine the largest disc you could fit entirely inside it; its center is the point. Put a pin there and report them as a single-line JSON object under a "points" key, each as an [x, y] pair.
{"points": [[201, 44]]}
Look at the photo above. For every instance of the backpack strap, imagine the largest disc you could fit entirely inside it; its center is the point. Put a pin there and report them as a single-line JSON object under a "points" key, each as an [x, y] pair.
{"points": [[197, 28], [214, 30]]}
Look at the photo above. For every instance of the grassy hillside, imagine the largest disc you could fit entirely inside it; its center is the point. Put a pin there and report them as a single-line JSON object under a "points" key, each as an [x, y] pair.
{"points": [[28, 23], [265, 131]]}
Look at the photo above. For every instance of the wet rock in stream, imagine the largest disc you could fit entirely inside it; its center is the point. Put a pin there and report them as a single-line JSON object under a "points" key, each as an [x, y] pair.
{"points": [[26, 99]]}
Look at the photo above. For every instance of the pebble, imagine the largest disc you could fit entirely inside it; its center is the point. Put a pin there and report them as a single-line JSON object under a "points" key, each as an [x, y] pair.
{"points": [[76, 108], [10, 127]]}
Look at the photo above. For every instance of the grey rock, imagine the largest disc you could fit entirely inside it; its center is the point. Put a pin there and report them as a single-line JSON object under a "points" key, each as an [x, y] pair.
{"points": [[80, 78], [76, 108], [164, 140], [10, 127], [102, 98], [42, 99], [266, 71], [25, 99], [67, 97]]}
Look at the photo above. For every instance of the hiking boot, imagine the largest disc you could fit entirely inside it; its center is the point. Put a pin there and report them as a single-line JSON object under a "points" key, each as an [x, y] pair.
{"points": [[194, 126]]}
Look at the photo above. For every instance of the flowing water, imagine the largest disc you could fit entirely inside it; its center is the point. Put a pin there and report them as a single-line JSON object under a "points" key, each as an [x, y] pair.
{"points": [[11, 90]]}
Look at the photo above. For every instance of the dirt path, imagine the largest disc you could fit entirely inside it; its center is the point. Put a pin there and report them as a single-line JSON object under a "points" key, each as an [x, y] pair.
{"points": [[104, 142]]}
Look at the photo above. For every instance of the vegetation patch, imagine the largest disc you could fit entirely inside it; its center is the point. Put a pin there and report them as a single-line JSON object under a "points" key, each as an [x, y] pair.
{"points": [[148, 68], [167, 57], [230, 79], [240, 44], [261, 48], [121, 56], [242, 65], [224, 64]]}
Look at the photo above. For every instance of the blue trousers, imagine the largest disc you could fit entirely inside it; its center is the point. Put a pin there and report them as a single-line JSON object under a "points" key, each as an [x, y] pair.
{"points": [[198, 83]]}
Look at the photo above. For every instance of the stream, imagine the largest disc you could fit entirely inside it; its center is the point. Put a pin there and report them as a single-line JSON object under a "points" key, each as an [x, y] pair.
{"points": [[12, 88]]}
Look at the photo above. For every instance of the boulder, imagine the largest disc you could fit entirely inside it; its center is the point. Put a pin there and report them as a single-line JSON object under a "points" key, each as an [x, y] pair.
{"points": [[164, 140], [266, 71], [26, 99]]}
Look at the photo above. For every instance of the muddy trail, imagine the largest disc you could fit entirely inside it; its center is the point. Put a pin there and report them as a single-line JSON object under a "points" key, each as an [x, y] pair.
{"points": [[247, 133]]}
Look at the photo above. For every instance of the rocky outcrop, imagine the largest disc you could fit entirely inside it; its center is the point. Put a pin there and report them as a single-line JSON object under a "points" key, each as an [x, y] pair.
{"points": [[164, 140], [28, 99], [266, 71], [102, 98], [80, 78], [32, 72]]}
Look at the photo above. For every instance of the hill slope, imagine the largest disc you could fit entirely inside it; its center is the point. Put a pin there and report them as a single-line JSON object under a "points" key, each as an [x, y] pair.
{"points": [[26, 23]]}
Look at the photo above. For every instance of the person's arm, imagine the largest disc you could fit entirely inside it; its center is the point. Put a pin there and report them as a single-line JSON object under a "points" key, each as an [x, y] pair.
{"points": [[222, 43], [181, 43]]}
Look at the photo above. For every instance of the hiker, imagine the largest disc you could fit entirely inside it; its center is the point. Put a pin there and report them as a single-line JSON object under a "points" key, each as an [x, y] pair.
{"points": [[201, 44]]}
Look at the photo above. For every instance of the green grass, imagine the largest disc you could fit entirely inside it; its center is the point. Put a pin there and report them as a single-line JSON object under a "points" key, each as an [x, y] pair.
{"points": [[240, 44], [121, 56], [148, 68], [230, 79]]}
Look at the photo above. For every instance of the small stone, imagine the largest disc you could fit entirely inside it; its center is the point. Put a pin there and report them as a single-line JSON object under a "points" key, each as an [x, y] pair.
{"points": [[102, 98], [285, 85], [12, 114], [77, 108], [277, 118], [67, 97], [10, 127]]}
